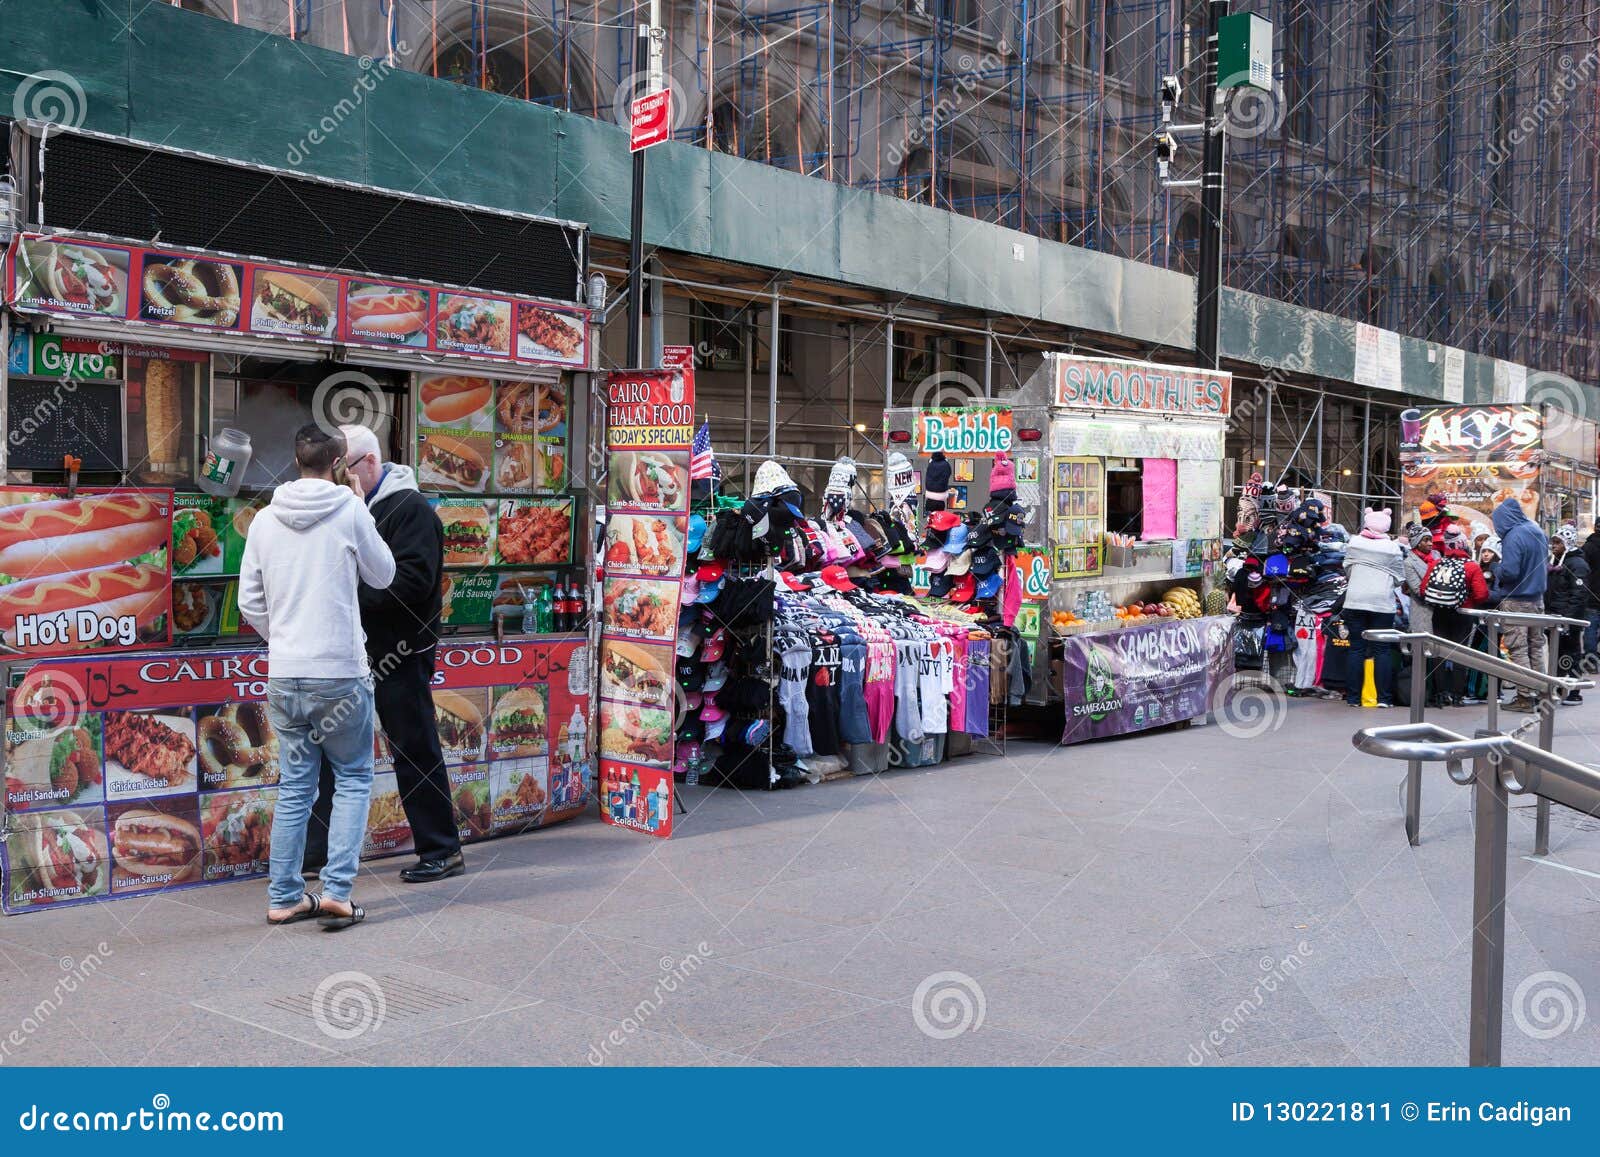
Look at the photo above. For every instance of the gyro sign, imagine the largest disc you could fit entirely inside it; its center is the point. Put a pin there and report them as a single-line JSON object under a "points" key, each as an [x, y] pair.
{"points": [[964, 432]]}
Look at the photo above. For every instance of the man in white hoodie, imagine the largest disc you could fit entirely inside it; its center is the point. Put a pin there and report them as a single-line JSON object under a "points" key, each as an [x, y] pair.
{"points": [[297, 587]]}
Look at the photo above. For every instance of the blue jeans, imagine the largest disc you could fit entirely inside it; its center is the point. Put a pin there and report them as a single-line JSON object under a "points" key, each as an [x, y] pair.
{"points": [[316, 718]]}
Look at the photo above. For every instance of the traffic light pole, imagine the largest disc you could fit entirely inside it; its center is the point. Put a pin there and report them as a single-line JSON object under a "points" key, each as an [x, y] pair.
{"points": [[1208, 312]]}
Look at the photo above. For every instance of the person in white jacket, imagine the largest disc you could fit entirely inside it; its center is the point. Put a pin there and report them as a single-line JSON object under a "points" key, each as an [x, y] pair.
{"points": [[1375, 567], [297, 587]]}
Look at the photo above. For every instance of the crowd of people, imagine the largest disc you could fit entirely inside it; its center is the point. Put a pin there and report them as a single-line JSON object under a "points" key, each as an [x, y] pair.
{"points": [[1308, 591]]}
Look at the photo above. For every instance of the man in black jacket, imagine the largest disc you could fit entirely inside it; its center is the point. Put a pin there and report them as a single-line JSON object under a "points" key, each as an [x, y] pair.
{"points": [[402, 627]]}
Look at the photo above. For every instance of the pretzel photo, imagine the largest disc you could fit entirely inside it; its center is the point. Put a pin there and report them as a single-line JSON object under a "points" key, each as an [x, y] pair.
{"points": [[197, 292]]}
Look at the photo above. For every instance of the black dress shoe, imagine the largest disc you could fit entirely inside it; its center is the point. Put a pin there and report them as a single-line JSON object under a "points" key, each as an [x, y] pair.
{"points": [[427, 871]]}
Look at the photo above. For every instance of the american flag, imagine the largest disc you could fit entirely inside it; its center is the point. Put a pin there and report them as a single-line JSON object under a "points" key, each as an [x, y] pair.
{"points": [[701, 458]]}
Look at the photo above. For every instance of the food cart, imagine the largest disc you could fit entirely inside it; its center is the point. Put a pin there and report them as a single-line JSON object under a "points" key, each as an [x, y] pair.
{"points": [[162, 347], [1478, 456], [1120, 465]]}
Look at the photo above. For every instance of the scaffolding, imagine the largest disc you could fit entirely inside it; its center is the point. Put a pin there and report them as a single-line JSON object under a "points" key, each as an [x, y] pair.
{"points": [[1428, 166]]}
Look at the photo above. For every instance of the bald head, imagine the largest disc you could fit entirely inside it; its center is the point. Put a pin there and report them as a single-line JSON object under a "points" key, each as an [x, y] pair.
{"points": [[363, 456]]}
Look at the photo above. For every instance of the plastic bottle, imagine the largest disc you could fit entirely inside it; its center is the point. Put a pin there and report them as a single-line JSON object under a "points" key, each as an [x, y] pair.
{"points": [[227, 457], [530, 611], [544, 608]]}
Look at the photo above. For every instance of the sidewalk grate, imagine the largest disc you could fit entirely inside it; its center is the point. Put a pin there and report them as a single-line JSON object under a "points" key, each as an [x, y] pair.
{"points": [[401, 998]]}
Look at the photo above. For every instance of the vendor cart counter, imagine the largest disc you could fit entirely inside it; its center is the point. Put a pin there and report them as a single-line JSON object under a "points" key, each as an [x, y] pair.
{"points": [[1130, 679], [177, 743]]}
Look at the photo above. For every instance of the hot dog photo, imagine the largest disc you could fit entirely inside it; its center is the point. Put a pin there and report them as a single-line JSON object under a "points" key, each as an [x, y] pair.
{"points": [[154, 844], [86, 573], [386, 314], [456, 402]]}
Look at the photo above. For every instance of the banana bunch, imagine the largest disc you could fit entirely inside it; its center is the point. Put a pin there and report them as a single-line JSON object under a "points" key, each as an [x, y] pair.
{"points": [[1184, 602]]}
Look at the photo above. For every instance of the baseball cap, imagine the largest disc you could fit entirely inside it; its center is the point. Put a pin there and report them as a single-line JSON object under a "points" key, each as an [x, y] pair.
{"points": [[756, 733], [793, 581], [956, 541], [688, 641], [837, 578], [985, 561], [960, 564], [691, 675], [715, 677], [716, 643], [939, 585], [697, 532], [715, 727], [936, 561], [989, 585], [710, 572], [944, 520], [711, 712], [963, 589]]}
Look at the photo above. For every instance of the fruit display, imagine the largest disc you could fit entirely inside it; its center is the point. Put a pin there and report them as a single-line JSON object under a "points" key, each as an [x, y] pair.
{"points": [[1183, 602]]}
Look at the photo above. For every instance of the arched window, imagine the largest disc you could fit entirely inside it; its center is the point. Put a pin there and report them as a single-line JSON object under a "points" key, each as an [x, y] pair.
{"points": [[497, 54], [772, 130], [1438, 316]]}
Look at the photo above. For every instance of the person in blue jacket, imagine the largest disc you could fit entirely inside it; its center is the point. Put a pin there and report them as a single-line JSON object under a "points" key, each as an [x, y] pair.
{"points": [[1519, 585]]}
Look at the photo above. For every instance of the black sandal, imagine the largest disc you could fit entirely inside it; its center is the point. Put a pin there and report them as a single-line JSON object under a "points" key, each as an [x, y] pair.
{"points": [[296, 917], [337, 923]]}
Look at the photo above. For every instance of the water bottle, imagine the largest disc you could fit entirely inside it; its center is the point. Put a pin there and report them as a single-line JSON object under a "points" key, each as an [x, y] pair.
{"points": [[530, 611]]}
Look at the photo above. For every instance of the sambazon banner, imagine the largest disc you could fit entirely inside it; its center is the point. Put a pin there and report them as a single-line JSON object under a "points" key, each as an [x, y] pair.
{"points": [[1142, 677]]}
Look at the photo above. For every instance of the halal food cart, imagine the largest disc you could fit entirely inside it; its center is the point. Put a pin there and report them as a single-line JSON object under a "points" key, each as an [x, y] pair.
{"points": [[1130, 483], [1478, 456], [170, 320]]}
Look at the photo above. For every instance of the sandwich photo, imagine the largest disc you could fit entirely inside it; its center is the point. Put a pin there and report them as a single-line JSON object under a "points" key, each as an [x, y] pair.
{"points": [[473, 324], [460, 720], [513, 465], [196, 548], [455, 400], [449, 463], [649, 478], [467, 534], [293, 303], [547, 333], [236, 829], [49, 768], [517, 726], [550, 466], [393, 314], [636, 673], [637, 734], [57, 855], [150, 848], [148, 754], [73, 277]]}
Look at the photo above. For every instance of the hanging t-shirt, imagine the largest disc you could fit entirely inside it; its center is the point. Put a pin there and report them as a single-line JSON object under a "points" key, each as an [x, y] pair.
{"points": [[854, 726], [935, 677], [977, 687], [908, 668], [794, 672], [822, 695]]}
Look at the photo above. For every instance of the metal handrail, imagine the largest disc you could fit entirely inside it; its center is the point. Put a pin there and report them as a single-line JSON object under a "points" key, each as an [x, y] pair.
{"points": [[1501, 766], [1441, 648], [1524, 618]]}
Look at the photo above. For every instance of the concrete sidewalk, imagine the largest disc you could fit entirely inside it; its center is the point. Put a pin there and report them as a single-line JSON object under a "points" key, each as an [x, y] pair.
{"points": [[1177, 898]]}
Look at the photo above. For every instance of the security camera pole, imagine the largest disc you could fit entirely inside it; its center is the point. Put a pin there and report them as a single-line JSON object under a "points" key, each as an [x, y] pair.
{"points": [[1207, 312], [650, 123]]}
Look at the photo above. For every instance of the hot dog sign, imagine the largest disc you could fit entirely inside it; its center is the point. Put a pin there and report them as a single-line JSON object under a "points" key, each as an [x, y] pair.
{"points": [[88, 573]]}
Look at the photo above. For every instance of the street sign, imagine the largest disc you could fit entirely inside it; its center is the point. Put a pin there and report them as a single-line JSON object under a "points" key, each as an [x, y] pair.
{"points": [[651, 122], [1244, 52]]}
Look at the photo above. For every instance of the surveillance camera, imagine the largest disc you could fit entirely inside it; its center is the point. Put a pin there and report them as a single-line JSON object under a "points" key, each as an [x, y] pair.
{"points": [[1171, 89]]}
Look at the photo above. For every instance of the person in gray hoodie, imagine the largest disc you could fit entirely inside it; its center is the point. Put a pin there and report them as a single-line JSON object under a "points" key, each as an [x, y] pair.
{"points": [[1519, 585], [1375, 568], [297, 587]]}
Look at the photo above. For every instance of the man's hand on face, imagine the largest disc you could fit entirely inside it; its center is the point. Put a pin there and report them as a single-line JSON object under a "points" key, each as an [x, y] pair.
{"points": [[353, 480]]}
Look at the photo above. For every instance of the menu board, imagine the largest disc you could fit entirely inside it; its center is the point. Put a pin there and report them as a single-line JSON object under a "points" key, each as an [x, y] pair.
{"points": [[125, 776], [1077, 517], [195, 290], [87, 573], [649, 424]]}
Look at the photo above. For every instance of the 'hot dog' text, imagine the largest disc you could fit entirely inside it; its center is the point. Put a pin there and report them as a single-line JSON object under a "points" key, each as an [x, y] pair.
{"points": [[75, 628]]}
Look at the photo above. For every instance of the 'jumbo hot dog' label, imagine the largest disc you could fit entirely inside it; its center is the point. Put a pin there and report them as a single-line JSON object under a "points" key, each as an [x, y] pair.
{"points": [[75, 629]]}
